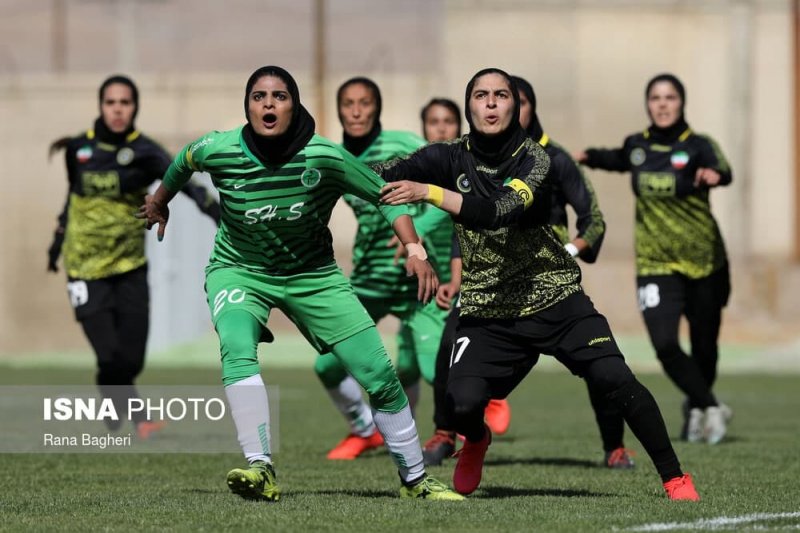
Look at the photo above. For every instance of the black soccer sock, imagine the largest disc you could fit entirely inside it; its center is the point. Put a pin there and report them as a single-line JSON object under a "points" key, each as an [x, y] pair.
{"points": [[609, 419], [644, 418], [685, 373]]}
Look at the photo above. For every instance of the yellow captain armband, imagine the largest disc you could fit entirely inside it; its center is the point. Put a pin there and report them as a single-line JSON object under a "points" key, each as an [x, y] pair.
{"points": [[435, 195], [522, 190]]}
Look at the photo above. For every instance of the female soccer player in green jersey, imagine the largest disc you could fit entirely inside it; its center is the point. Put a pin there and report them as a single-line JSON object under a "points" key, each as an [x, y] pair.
{"points": [[278, 182], [521, 294], [381, 285], [681, 263]]}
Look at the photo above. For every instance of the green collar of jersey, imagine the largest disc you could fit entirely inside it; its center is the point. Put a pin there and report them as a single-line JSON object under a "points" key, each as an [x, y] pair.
{"points": [[247, 151]]}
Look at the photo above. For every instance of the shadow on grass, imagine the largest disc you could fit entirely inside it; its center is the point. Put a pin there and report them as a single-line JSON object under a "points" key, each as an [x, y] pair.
{"points": [[550, 461], [499, 491]]}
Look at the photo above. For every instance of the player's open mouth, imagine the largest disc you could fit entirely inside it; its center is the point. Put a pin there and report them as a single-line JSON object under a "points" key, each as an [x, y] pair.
{"points": [[270, 120]]}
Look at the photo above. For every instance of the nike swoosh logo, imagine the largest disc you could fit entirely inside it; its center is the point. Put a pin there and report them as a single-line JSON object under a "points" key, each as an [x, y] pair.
{"points": [[424, 337], [239, 185]]}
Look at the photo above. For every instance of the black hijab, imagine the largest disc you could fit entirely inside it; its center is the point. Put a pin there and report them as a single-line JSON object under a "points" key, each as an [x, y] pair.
{"points": [[280, 149], [534, 129], [495, 149], [672, 132], [101, 129], [357, 145], [445, 103]]}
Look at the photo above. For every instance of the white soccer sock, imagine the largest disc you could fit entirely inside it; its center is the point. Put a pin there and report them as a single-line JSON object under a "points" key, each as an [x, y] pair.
{"points": [[412, 391], [250, 411], [348, 400], [400, 433]]}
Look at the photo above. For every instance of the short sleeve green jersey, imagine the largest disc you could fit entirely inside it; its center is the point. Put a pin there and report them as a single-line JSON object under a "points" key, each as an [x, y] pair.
{"points": [[275, 217], [375, 273]]}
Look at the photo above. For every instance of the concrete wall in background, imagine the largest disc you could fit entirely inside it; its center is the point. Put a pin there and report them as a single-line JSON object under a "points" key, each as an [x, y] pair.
{"points": [[588, 61]]}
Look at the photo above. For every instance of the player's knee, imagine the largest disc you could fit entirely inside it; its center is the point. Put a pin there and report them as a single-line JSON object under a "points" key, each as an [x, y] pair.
{"points": [[117, 373], [466, 398], [667, 348], [239, 358], [608, 374], [329, 370]]}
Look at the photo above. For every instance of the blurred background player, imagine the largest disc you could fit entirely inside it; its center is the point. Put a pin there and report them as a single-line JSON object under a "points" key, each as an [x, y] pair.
{"points": [[681, 262], [380, 283], [109, 169], [278, 183]]}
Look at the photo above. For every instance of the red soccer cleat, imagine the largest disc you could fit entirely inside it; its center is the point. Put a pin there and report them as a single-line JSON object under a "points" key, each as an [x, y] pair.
{"points": [[498, 416], [681, 488], [467, 475], [352, 446], [620, 458], [146, 428]]}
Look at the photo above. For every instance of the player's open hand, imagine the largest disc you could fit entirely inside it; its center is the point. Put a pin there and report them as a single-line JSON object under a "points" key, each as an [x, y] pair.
{"points": [[154, 213], [404, 192], [428, 282]]}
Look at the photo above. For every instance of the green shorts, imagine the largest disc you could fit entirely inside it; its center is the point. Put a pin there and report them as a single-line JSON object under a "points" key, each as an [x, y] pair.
{"points": [[321, 303]]}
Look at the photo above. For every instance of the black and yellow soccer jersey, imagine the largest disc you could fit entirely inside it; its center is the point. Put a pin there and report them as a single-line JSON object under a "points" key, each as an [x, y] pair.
{"points": [[570, 186], [375, 274], [107, 184], [513, 264], [275, 217], [675, 229]]}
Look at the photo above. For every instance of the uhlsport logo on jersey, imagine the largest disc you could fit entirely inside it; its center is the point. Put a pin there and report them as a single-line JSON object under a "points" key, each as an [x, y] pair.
{"points": [[463, 184], [679, 159], [311, 177], [124, 156], [638, 156], [84, 154]]}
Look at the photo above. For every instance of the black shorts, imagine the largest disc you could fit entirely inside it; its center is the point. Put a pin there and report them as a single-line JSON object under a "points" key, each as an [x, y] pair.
{"points": [[504, 351], [126, 292]]}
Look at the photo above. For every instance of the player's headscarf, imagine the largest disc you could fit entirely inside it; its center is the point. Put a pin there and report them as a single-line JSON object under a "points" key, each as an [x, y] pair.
{"points": [[447, 104], [101, 129], [674, 130], [280, 149], [534, 129], [494, 149], [357, 145]]}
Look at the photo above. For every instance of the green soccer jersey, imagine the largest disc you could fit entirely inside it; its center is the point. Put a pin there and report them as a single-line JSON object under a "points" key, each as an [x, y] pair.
{"points": [[275, 217], [375, 274]]}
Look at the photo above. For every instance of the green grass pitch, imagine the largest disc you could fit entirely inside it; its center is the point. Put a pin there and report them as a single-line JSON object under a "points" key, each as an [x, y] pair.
{"points": [[543, 475]]}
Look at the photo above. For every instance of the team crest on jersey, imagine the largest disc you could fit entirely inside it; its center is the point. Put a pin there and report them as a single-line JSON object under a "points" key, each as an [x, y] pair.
{"points": [[311, 177], [84, 154], [124, 156], [638, 156], [679, 159], [463, 184]]}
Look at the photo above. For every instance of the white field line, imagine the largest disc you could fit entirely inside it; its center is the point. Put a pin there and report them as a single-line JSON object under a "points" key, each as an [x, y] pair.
{"points": [[720, 522]]}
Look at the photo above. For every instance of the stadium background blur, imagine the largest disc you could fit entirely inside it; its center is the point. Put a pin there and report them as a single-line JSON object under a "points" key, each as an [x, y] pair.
{"points": [[589, 61]]}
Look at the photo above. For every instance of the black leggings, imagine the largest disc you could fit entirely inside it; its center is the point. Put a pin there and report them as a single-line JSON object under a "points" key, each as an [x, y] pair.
{"points": [[609, 377], [115, 318], [663, 300]]}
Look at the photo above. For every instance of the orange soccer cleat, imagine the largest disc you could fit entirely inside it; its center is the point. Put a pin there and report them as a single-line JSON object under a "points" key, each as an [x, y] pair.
{"points": [[681, 488], [498, 416], [353, 445]]}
